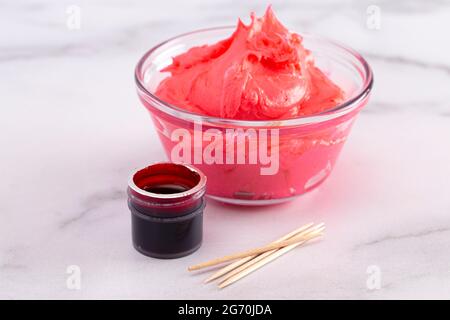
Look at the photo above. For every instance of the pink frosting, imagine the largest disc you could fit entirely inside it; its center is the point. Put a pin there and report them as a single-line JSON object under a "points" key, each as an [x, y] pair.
{"points": [[261, 72]]}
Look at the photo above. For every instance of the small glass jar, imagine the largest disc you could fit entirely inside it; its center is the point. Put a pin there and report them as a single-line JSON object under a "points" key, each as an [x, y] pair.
{"points": [[166, 201]]}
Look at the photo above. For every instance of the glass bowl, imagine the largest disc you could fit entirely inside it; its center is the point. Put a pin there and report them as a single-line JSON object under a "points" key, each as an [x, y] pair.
{"points": [[307, 147]]}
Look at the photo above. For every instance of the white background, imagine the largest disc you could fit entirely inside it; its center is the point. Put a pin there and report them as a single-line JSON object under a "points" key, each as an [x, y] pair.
{"points": [[72, 130]]}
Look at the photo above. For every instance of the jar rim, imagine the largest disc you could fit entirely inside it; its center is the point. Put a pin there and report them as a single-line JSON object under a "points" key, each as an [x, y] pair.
{"points": [[337, 111], [198, 189]]}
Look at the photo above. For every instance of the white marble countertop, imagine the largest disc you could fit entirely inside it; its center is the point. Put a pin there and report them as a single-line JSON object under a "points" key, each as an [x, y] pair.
{"points": [[72, 129]]}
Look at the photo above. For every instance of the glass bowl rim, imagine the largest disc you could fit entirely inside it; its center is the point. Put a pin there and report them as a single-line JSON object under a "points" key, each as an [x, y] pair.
{"points": [[339, 110]]}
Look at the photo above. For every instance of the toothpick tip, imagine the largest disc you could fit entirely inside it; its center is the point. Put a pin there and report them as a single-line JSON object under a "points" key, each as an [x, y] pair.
{"points": [[208, 280]]}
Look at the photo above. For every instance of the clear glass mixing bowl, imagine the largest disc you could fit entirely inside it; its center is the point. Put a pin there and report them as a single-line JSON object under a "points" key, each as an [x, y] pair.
{"points": [[307, 146]]}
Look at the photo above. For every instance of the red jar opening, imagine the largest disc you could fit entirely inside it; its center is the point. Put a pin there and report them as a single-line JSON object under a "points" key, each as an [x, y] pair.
{"points": [[167, 189]]}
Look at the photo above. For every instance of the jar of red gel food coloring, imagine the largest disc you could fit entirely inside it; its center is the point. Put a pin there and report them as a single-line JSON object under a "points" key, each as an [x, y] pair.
{"points": [[166, 202]]}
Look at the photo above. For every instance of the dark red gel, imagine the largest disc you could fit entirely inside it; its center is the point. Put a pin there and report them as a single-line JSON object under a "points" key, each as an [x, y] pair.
{"points": [[166, 202]]}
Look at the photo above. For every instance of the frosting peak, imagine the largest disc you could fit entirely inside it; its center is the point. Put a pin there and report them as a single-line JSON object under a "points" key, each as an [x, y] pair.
{"points": [[261, 72]]}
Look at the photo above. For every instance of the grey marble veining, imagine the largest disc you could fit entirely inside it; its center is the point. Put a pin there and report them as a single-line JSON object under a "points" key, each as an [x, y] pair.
{"points": [[72, 129]]}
